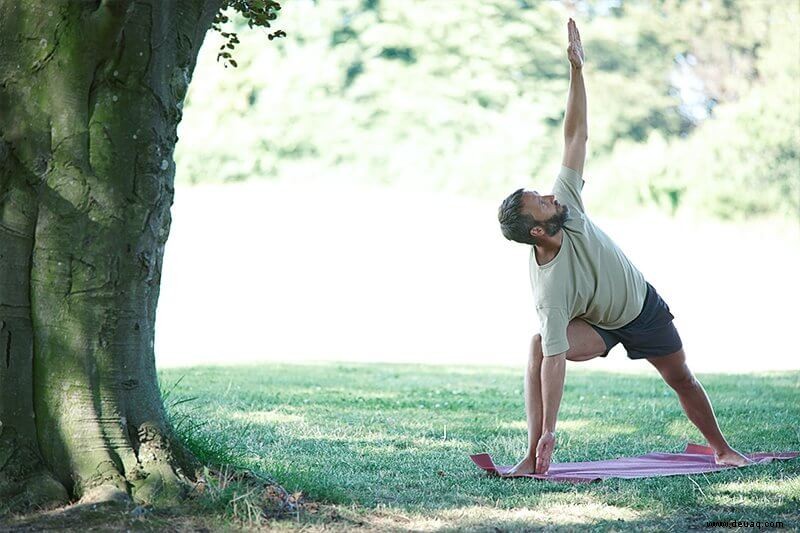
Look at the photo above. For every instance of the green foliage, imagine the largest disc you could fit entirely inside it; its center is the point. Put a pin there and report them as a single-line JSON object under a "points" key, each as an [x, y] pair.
{"points": [[745, 161], [257, 13], [470, 97]]}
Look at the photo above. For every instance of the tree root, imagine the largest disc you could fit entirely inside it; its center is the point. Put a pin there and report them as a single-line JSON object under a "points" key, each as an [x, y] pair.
{"points": [[106, 485], [24, 482], [161, 479], [160, 486], [105, 494], [39, 491]]}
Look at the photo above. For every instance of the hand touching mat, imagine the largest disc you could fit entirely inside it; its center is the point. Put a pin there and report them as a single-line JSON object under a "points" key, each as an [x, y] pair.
{"points": [[695, 459]]}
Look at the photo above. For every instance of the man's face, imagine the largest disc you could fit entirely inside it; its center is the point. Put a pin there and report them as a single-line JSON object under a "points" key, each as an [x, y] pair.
{"points": [[541, 207]]}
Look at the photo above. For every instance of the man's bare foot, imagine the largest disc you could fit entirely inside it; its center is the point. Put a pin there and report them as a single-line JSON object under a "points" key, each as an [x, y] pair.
{"points": [[526, 466], [731, 457]]}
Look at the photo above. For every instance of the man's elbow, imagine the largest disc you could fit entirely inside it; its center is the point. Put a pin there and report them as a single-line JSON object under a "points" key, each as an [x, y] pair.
{"points": [[578, 136], [553, 360]]}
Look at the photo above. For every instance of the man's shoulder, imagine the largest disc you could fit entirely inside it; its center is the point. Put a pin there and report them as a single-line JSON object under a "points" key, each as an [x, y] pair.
{"points": [[570, 178], [577, 223], [568, 187]]}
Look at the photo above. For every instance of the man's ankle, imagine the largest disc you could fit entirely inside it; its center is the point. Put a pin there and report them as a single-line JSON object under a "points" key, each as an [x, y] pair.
{"points": [[722, 450]]}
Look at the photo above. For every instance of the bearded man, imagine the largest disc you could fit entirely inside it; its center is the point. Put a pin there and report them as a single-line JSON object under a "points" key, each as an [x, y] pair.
{"points": [[589, 296]]}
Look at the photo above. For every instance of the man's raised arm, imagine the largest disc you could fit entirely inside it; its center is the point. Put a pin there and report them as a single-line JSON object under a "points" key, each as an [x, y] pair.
{"points": [[575, 127]]}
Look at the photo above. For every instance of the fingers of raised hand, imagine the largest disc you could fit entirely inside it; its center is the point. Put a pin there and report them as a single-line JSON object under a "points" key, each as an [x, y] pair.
{"points": [[572, 32]]}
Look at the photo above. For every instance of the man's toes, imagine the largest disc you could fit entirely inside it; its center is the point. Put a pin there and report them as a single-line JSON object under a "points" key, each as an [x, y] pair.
{"points": [[732, 459]]}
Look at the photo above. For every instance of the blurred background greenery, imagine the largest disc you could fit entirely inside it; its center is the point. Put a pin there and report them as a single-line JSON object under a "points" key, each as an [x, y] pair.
{"points": [[694, 105]]}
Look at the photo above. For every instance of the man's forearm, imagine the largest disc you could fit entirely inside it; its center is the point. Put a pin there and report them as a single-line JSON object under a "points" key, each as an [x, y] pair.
{"points": [[575, 125], [553, 372], [533, 405]]}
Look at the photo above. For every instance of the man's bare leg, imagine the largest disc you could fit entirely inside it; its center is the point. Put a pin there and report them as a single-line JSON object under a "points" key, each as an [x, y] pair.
{"points": [[584, 344], [696, 405]]}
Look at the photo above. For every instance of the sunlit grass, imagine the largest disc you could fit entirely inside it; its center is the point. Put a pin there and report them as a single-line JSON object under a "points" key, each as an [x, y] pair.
{"points": [[390, 443]]}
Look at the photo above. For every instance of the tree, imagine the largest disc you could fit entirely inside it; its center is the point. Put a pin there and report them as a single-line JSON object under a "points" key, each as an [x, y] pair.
{"points": [[90, 98]]}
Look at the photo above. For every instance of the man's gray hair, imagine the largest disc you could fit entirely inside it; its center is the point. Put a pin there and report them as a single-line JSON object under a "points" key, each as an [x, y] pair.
{"points": [[516, 225]]}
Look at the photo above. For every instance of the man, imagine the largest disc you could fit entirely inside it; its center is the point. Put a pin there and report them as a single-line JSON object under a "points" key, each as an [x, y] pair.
{"points": [[589, 296]]}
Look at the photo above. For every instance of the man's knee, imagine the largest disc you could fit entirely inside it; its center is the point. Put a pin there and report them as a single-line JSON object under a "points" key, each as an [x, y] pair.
{"points": [[536, 355], [682, 381]]}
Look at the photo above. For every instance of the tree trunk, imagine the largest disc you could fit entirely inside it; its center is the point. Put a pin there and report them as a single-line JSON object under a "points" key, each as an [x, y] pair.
{"points": [[90, 99]]}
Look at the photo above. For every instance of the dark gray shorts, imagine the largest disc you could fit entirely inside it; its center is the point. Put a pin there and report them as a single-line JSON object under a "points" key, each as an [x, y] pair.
{"points": [[650, 334]]}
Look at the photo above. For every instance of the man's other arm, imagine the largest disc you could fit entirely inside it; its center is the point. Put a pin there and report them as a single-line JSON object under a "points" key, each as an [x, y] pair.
{"points": [[553, 372], [576, 131]]}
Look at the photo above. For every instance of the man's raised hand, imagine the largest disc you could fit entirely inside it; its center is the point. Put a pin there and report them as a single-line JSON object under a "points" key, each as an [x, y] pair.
{"points": [[575, 48]]}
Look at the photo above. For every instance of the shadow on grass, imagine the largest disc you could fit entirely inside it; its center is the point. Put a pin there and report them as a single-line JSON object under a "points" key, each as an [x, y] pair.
{"points": [[394, 440], [188, 517], [111, 516], [225, 499]]}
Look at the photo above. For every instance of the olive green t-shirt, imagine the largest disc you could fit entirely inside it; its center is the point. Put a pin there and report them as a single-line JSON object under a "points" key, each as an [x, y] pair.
{"points": [[589, 278]]}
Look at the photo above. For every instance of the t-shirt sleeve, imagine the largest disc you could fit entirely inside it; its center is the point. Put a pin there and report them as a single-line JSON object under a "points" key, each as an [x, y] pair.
{"points": [[553, 321], [567, 188]]}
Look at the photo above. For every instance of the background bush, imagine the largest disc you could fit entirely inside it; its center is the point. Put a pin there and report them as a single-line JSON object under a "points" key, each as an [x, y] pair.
{"points": [[694, 104]]}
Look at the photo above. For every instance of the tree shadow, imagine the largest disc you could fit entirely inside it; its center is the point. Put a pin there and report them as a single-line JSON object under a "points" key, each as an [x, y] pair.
{"points": [[376, 442]]}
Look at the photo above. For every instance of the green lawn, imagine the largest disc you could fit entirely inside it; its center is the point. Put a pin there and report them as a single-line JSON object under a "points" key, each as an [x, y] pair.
{"points": [[388, 445]]}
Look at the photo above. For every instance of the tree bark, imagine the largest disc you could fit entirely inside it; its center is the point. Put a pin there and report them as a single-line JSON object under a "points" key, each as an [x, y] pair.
{"points": [[90, 98]]}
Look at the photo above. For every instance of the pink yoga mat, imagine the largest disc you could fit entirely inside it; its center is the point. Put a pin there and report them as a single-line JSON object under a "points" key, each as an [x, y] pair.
{"points": [[695, 459]]}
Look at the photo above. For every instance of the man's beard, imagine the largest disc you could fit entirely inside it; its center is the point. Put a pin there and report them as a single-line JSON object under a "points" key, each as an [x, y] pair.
{"points": [[555, 223]]}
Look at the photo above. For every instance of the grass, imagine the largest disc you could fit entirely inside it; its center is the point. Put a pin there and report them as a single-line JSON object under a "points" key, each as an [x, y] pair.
{"points": [[386, 446]]}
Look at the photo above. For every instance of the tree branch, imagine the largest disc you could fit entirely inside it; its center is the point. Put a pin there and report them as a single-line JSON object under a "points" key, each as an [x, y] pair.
{"points": [[197, 16], [209, 9]]}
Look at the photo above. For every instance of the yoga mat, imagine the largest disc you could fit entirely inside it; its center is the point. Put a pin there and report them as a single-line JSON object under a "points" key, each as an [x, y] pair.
{"points": [[696, 459]]}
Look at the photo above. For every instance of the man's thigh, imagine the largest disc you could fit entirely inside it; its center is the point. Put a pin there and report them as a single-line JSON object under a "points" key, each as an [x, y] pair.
{"points": [[584, 342]]}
